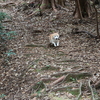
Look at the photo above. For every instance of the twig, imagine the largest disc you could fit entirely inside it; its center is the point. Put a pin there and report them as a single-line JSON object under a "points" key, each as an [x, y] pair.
{"points": [[58, 80], [80, 90], [62, 80], [93, 98]]}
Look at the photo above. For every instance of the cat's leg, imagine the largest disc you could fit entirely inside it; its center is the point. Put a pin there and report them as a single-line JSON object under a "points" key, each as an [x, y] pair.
{"points": [[57, 43], [54, 44]]}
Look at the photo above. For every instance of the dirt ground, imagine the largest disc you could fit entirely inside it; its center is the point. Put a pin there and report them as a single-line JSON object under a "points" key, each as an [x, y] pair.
{"points": [[36, 60]]}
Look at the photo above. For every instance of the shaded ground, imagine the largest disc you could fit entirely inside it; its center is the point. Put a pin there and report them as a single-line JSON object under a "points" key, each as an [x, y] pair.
{"points": [[76, 53]]}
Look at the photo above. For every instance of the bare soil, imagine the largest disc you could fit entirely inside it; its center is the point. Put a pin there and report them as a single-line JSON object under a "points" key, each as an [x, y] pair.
{"points": [[35, 59]]}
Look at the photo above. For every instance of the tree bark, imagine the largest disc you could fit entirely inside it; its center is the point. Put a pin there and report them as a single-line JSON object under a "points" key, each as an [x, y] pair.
{"points": [[45, 4], [61, 2], [52, 4], [82, 9]]}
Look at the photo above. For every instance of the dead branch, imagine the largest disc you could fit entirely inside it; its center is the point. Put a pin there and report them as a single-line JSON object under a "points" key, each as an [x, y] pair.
{"points": [[62, 80], [80, 90], [93, 98], [48, 79], [58, 80]]}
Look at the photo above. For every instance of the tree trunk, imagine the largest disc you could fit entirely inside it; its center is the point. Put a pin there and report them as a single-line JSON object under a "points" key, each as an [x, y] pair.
{"points": [[61, 2], [45, 4], [52, 4], [82, 9]]}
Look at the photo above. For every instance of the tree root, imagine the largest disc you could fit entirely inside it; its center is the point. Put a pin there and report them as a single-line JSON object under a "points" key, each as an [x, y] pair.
{"points": [[7, 4], [62, 88], [53, 86], [43, 5], [92, 93], [76, 31], [72, 74], [80, 90]]}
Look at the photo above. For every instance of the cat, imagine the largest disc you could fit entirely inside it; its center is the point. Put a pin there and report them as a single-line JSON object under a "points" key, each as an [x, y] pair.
{"points": [[54, 39]]}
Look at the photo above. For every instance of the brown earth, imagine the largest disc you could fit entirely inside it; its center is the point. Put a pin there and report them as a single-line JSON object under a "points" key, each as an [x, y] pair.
{"points": [[36, 60]]}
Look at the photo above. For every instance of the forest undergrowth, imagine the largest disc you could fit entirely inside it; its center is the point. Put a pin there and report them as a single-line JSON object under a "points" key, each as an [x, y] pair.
{"points": [[31, 69]]}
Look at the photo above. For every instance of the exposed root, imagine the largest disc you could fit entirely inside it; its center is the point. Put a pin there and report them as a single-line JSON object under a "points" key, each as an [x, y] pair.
{"points": [[93, 98], [72, 74], [53, 5], [80, 90], [63, 88], [7, 4]]}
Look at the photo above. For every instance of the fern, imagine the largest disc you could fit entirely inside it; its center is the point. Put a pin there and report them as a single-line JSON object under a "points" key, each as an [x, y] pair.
{"points": [[6, 35], [10, 52], [2, 95], [3, 34], [3, 16], [1, 27]]}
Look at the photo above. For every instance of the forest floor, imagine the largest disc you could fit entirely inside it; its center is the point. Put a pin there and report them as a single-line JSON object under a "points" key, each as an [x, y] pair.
{"points": [[38, 71]]}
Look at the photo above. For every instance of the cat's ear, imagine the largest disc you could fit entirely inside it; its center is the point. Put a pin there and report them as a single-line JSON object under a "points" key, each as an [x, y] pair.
{"points": [[57, 32]]}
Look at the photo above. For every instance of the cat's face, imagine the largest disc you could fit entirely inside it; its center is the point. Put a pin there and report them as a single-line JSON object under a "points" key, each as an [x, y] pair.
{"points": [[56, 37]]}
